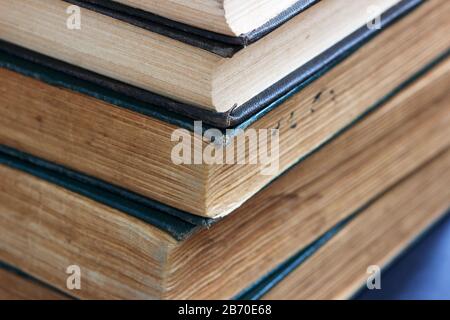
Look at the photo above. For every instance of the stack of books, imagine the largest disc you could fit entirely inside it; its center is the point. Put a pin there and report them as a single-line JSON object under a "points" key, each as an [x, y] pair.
{"points": [[218, 149]]}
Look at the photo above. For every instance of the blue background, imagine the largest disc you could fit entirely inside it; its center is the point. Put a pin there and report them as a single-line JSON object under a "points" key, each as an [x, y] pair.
{"points": [[423, 272]]}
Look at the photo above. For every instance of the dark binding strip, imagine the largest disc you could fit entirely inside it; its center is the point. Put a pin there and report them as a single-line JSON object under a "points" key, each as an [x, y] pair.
{"points": [[177, 223], [182, 114], [278, 21], [222, 45]]}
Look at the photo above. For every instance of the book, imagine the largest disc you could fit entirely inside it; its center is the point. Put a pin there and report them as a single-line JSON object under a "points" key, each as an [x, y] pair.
{"points": [[51, 221], [374, 238], [236, 19], [178, 69], [129, 145]]}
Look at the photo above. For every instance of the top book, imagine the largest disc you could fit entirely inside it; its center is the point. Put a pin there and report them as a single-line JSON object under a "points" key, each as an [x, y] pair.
{"points": [[229, 17], [189, 69]]}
